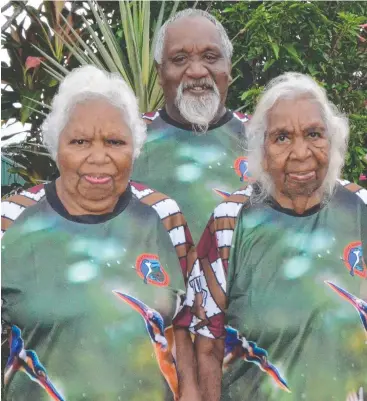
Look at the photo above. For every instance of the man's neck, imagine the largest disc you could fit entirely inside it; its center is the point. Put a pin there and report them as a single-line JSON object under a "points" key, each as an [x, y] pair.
{"points": [[174, 113]]}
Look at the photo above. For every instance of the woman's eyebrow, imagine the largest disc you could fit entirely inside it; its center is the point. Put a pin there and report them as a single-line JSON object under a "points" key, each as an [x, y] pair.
{"points": [[276, 130], [314, 126]]}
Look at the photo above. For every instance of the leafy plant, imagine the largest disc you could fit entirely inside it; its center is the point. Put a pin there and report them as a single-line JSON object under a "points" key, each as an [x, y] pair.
{"points": [[133, 58], [326, 40]]}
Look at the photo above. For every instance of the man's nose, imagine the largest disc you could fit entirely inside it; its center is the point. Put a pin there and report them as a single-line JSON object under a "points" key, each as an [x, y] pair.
{"points": [[196, 70]]}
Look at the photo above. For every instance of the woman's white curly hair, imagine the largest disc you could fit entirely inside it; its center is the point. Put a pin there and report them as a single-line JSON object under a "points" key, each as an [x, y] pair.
{"points": [[293, 85], [85, 83]]}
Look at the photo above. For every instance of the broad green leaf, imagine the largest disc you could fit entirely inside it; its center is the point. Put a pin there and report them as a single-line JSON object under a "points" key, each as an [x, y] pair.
{"points": [[268, 64], [274, 46], [293, 53]]}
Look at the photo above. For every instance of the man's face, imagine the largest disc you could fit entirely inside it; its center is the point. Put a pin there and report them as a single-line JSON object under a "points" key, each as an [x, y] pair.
{"points": [[296, 147], [194, 73]]}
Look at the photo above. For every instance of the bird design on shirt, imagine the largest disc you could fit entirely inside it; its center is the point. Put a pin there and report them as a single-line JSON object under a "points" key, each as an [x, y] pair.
{"points": [[357, 256], [27, 361], [223, 194], [359, 304], [237, 346], [162, 339]]}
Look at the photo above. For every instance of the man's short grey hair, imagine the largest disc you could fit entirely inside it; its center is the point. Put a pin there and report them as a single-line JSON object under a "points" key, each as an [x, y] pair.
{"points": [[293, 85], [191, 12], [87, 83]]}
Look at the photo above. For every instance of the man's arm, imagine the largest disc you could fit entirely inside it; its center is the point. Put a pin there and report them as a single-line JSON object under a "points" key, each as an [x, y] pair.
{"points": [[209, 353], [186, 366]]}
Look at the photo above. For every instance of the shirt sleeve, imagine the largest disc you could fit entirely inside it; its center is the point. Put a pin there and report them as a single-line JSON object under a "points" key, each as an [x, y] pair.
{"points": [[207, 273]]}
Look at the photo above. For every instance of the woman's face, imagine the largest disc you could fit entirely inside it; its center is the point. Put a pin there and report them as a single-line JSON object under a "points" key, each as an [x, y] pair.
{"points": [[95, 155], [296, 147]]}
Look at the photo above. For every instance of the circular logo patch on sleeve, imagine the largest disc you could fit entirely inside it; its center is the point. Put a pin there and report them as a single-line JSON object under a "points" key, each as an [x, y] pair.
{"points": [[353, 259], [149, 268], [241, 168]]}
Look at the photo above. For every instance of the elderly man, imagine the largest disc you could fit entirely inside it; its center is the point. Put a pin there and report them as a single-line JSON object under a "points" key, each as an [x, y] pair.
{"points": [[283, 276], [195, 144]]}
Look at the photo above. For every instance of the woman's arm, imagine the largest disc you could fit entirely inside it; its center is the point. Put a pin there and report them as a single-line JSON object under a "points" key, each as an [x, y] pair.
{"points": [[209, 353], [186, 366]]}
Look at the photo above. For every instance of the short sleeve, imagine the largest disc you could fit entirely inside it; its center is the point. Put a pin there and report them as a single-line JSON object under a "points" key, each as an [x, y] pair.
{"points": [[207, 273]]}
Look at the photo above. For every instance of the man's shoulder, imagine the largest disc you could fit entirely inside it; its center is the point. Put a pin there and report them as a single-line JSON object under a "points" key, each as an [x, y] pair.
{"points": [[150, 116], [153, 118], [13, 206], [243, 117], [353, 191]]}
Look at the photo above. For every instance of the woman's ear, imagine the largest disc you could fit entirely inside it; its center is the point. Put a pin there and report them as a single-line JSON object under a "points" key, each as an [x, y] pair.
{"points": [[159, 72], [264, 163]]}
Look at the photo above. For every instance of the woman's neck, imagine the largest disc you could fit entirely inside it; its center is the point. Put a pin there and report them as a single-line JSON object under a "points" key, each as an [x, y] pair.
{"points": [[299, 203], [77, 205]]}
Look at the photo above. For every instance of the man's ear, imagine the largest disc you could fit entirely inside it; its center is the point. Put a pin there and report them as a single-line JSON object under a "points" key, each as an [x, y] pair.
{"points": [[159, 72]]}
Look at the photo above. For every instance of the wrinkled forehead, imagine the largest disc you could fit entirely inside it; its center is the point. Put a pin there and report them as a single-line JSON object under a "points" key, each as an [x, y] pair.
{"points": [[301, 112], [191, 34], [96, 112]]}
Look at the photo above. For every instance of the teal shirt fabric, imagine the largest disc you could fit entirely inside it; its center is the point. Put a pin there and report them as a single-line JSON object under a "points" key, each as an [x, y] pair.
{"points": [[278, 298], [188, 166], [58, 278]]}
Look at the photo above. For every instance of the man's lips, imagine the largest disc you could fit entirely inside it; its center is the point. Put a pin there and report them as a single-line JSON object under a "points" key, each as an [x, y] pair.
{"points": [[199, 89], [98, 179], [302, 176]]}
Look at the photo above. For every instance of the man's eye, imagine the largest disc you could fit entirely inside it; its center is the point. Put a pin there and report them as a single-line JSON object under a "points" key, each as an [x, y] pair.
{"points": [[210, 57], [282, 138], [179, 59], [78, 141]]}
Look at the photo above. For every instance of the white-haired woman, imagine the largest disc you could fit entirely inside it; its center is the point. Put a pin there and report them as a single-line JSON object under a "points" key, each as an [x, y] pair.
{"points": [[282, 259], [90, 271]]}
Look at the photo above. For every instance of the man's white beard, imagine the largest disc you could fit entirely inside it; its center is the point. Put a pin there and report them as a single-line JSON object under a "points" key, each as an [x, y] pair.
{"points": [[198, 110]]}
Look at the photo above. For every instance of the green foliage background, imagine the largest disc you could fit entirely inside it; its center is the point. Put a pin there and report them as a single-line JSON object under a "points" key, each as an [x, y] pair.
{"points": [[326, 40]]}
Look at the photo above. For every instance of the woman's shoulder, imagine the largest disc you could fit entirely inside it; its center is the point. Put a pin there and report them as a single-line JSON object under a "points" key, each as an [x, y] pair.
{"points": [[352, 191], [160, 203], [13, 206], [168, 212]]}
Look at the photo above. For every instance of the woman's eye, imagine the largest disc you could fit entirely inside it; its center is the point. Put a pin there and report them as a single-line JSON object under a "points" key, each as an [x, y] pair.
{"points": [[78, 141], [314, 134], [116, 142], [282, 138]]}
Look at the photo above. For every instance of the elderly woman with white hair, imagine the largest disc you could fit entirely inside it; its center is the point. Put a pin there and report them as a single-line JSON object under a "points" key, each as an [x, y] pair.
{"points": [[282, 261], [91, 274]]}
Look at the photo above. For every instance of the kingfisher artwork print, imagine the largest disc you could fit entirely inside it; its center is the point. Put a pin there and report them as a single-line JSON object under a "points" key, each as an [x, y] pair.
{"points": [[88, 304], [288, 293]]}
